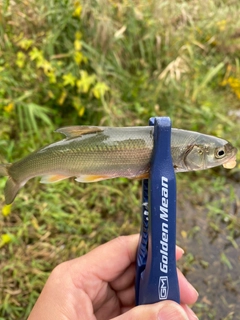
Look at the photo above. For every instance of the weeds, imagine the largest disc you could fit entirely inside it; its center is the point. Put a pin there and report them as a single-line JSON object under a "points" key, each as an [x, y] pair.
{"points": [[113, 63]]}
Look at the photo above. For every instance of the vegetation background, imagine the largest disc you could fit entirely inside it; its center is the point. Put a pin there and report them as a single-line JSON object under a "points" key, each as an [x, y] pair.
{"points": [[111, 62]]}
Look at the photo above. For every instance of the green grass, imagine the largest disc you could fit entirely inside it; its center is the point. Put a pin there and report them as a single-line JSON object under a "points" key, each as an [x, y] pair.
{"points": [[117, 63]]}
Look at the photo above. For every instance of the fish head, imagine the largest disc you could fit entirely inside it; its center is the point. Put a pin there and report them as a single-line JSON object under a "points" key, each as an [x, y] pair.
{"points": [[208, 152]]}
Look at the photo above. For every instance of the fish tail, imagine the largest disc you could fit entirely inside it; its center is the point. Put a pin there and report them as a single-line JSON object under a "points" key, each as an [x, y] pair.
{"points": [[11, 187]]}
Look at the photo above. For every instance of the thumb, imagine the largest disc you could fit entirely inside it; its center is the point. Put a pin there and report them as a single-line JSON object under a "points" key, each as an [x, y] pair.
{"points": [[166, 310]]}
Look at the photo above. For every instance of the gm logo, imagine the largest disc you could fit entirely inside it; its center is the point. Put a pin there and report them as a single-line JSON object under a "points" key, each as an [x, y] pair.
{"points": [[163, 288]]}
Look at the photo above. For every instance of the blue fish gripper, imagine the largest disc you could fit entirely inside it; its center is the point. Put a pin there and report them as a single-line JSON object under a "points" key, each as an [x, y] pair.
{"points": [[156, 273]]}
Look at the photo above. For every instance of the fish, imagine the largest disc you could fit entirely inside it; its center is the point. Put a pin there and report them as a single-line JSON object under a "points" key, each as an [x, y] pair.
{"points": [[93, 153]]}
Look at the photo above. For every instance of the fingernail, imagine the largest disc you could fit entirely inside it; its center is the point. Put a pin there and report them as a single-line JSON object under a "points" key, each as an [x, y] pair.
{"points": [[171, 311], [194, 290], [180, 249], [191, 287]]}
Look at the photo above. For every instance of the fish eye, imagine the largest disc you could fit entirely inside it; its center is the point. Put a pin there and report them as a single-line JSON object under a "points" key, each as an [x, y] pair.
{"points": [[220, 153]]}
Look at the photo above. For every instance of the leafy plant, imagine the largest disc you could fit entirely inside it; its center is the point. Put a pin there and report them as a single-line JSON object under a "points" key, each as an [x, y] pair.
{"points": [[118, 63], [45, 73]]}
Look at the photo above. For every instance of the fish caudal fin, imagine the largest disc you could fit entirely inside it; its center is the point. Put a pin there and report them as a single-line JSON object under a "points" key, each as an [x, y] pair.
{"points": [[11, 187]]}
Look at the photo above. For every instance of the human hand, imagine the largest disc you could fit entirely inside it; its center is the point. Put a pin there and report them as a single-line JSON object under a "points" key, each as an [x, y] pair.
{"points": [[100, 285]]}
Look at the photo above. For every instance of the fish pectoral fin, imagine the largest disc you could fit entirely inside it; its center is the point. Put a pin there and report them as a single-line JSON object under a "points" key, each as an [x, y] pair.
{"points": [[78, 131], [53, 178], [92, 178]]}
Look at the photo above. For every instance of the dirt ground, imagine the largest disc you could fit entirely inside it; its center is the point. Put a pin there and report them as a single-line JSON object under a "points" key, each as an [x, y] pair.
{"points": [[211, 261]]}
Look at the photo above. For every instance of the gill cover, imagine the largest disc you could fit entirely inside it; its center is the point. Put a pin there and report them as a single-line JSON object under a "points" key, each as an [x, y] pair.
{"points": [[195, 158]]}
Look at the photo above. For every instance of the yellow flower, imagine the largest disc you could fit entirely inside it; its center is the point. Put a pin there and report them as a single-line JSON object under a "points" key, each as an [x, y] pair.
{"points": [[99, 90], [62, 98], [51, 76], [4, 239], [69, 79], [222, 25], [25, 43], [36, 54], [77, 45], [81, 111], [6, 210], [9, 108], [79, 57], [78, 9], [21, 58], [234, 84], [86, 81], [77, 105], [78, 35]]}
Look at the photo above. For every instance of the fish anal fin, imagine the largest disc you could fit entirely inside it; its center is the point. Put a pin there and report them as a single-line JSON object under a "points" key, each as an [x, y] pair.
{"points": [[78, 131], [53, 178], [92, 178]]}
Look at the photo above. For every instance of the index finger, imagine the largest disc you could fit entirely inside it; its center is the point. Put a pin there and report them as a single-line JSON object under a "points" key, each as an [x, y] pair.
{"points": [[110, 260]]}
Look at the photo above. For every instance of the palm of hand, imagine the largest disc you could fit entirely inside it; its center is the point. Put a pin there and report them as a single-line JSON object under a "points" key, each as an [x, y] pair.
{"points": [[105, 292], [100, 285]]}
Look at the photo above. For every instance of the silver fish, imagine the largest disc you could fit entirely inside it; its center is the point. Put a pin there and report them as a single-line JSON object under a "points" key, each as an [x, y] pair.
{"points": [[98, 153]]}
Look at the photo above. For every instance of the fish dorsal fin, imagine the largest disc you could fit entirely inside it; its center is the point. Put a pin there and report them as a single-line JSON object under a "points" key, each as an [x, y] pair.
{"points": [[78, 131]]}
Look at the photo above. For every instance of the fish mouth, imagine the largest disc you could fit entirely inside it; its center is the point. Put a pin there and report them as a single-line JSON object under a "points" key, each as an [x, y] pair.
{"points": [[232, 161]]}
